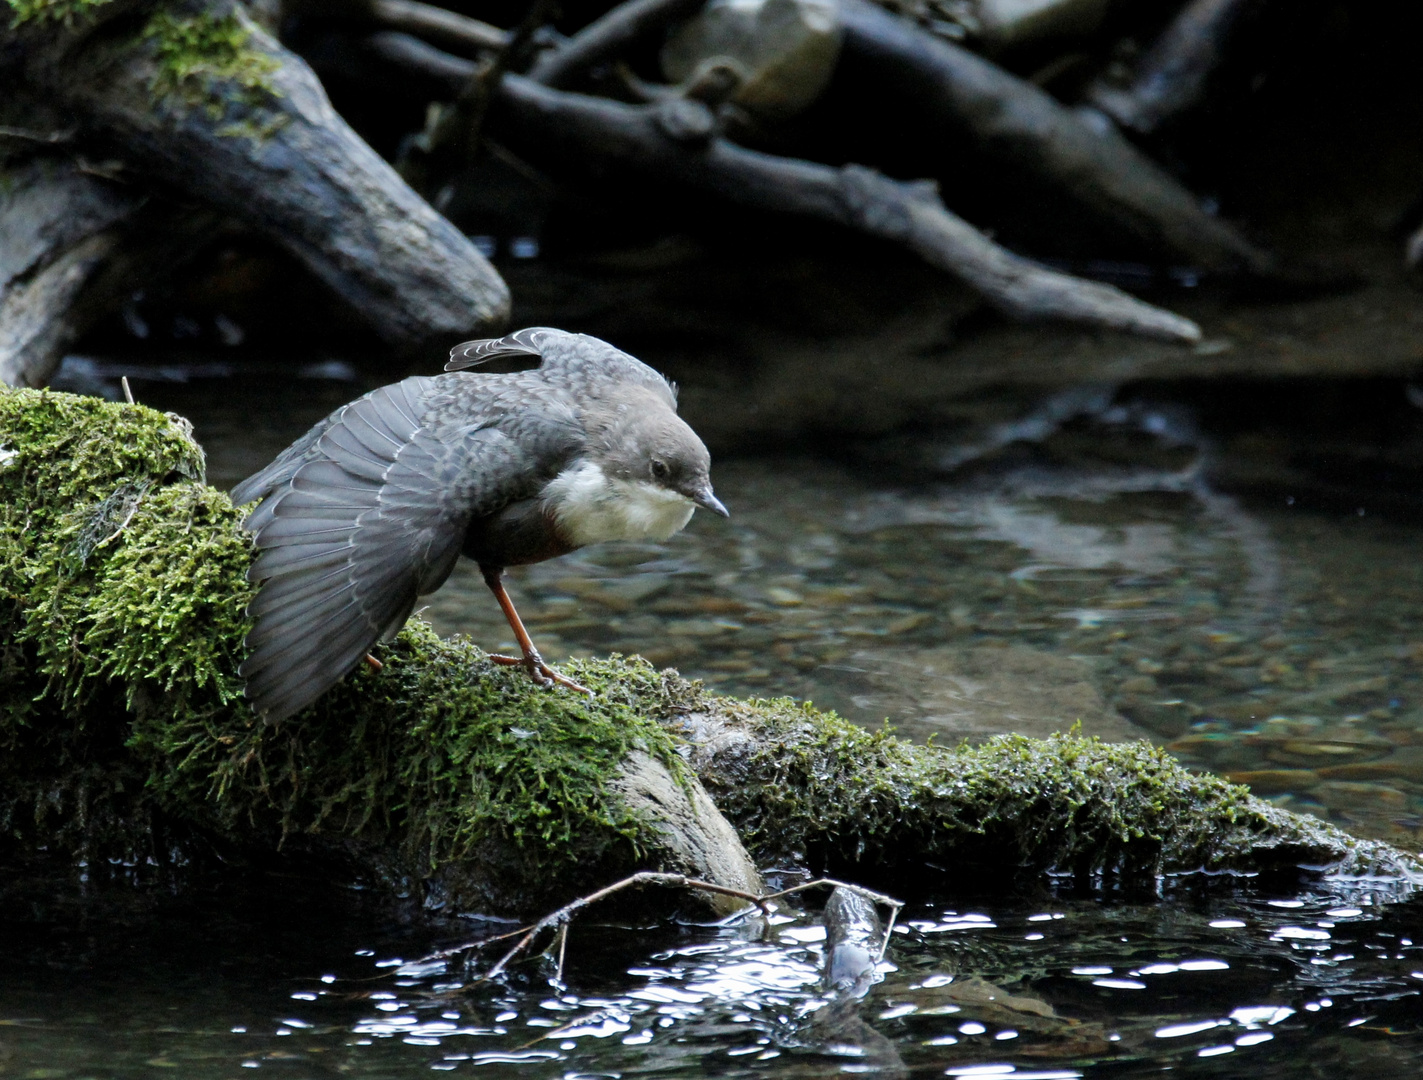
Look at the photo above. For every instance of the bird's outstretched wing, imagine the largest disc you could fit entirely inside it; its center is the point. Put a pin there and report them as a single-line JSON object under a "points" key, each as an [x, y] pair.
{"points": [[362, 516]]}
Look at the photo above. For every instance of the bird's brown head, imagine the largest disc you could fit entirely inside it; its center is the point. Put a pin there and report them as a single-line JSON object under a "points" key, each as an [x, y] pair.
{"points": [[641, 440]]}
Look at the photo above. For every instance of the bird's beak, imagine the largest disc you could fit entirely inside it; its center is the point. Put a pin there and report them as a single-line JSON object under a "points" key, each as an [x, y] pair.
{"points": [[706, 499]]}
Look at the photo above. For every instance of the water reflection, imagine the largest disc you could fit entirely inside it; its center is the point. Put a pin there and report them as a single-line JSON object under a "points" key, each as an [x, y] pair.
{"points": [[1282, 986]]}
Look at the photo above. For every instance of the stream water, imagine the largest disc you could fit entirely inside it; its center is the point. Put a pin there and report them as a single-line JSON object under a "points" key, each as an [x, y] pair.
{"points": [[1279, 986], [1078, 565]]}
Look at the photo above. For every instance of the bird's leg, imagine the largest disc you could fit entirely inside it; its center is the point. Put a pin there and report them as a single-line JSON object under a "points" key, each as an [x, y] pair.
{"points": [[540, 672]]}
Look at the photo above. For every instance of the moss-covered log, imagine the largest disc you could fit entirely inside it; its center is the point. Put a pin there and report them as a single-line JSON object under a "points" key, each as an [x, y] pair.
{"points": [[192, 98], [123, 730], [800, 783]]}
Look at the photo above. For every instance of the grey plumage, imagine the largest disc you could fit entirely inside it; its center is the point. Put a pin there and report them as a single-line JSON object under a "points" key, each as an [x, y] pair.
{"points": [[371, 508]]}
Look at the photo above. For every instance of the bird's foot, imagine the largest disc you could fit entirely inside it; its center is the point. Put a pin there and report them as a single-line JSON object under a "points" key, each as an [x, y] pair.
{"points": [[540, 672]]}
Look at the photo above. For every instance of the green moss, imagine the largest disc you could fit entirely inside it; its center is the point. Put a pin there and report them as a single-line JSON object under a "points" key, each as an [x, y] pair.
{"points": [[61, 12], [441, 755], [207, 61], [812, 785]]}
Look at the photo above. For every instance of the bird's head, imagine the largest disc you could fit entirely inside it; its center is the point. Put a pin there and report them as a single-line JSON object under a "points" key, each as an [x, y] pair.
{"points": [[648, 444]]}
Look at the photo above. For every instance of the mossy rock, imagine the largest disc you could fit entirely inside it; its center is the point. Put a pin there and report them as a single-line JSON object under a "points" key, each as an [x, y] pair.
{"points": [[124, 732]]}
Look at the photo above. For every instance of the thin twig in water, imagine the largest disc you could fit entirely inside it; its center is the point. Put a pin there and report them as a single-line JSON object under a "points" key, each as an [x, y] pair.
{"points": [[561, 917], [888, 929], [469, 946], [562, 949]]}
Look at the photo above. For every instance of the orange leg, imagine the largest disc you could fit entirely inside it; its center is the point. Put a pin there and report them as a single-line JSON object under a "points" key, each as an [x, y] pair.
{"points": [[540, 672]]}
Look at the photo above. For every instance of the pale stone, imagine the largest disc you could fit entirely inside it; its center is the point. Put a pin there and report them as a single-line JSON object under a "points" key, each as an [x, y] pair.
{"points": [[784, 51]]}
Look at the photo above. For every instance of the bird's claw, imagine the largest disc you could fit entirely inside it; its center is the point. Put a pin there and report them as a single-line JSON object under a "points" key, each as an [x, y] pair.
{"points": [[540, 672]]}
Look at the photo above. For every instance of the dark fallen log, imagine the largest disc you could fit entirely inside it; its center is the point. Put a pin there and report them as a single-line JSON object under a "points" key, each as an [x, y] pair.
{"points": [[1172, 77], [1018, 126], [675, 141], [446, 779], [195, 97]]}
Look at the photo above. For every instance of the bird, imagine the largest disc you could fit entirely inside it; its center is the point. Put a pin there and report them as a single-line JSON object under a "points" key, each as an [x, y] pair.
{"points": [[372, 508]]}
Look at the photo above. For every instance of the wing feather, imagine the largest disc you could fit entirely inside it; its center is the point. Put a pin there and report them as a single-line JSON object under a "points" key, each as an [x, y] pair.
{"points": [[473, 353], [274, 562]]}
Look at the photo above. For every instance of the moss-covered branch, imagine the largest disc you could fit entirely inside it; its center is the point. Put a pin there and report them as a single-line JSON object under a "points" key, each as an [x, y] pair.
{"points": [[798, 782], [122, 589]]}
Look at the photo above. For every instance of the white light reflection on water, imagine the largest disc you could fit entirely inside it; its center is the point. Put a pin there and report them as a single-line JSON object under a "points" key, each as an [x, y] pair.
{"points": [[1142, 986]]}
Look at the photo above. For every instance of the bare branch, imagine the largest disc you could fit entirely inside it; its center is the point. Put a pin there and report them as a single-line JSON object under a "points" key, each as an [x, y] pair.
{"points": [[1172, 77], [603, 39], [439, 25], [561, 917], [675, 141]]}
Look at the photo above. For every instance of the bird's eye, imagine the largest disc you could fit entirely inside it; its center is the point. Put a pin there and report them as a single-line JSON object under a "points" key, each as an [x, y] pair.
{"points": [[659, 470]]}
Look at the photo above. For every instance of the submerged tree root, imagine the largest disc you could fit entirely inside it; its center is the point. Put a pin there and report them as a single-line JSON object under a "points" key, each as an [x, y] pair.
{"points": [[123, 734]]}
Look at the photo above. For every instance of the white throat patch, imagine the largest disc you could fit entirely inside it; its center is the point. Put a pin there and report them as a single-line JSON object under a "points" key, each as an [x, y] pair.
{"points": [[592, 507]]}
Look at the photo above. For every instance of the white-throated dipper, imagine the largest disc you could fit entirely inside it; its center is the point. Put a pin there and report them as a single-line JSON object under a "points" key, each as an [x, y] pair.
{"points": [[371, 508]]}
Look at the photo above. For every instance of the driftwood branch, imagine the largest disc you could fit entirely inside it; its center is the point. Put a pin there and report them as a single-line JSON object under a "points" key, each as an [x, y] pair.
{"points": [[1020, 127], [1173, 75], [603, 39], [675, 141], [438, 25]]}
